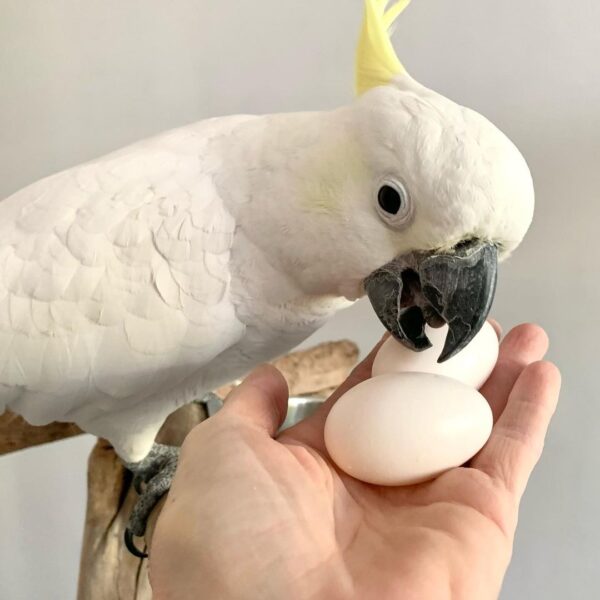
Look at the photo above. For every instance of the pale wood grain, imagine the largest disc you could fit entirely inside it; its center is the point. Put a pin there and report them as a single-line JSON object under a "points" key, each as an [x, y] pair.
{"points": [[107, 570]]}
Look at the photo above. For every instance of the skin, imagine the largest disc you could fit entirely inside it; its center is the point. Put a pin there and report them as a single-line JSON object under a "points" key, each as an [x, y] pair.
{"points": [[252, 515]]}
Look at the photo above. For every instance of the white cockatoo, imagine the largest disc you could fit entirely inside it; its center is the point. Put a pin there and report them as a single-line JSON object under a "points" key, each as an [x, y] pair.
{"points": [[138, 282]]}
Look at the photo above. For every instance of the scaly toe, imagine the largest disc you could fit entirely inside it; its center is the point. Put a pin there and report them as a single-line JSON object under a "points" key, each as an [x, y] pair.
{"points": [[152, 480]]}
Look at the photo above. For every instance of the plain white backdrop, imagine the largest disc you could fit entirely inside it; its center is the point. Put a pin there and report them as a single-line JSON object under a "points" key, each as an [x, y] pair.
{"points": [[80, 78]]}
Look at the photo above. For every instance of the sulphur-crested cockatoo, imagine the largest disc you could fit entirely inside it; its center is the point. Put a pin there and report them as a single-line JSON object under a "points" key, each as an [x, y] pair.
{"points": [[137, 282]]}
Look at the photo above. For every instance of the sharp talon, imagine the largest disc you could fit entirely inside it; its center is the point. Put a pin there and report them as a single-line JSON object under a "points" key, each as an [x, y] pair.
{"points": [[152, 478], [130, 544]]}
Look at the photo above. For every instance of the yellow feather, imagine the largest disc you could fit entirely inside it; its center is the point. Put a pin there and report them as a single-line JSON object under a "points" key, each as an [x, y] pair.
{"points": [[376, 60]]}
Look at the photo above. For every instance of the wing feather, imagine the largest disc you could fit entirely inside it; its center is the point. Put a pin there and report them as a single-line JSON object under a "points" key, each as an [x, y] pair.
{"points": [[114, 280]]}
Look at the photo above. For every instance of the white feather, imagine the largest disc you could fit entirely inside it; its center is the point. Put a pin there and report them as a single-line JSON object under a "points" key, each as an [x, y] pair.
{"points": [[135, 283], [93, 264]]}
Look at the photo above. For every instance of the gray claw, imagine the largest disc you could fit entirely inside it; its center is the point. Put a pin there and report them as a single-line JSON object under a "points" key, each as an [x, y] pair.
{"points": [[130, 545], [152, 480]]}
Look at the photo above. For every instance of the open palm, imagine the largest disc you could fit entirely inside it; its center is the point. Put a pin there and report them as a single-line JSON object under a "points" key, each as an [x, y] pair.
{"points": [[250, 516]]}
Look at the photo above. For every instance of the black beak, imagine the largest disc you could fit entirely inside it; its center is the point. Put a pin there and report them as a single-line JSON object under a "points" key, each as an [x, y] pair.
{"points": [[436, 288]]}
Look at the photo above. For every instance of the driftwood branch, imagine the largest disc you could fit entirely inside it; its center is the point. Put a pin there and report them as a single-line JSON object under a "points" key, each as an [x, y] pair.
{"points": [[16, 433], [306, 372], [107, 570]]}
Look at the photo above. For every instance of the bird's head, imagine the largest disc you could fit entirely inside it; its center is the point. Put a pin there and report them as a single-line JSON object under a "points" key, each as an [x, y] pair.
{"points": [[433, 195]]}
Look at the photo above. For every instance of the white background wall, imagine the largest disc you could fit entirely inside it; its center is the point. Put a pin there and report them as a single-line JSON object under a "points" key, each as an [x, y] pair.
{"points": [[78, 79]]}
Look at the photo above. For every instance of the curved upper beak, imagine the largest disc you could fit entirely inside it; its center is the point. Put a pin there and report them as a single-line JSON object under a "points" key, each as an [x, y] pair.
{"points": [[456, 288]]}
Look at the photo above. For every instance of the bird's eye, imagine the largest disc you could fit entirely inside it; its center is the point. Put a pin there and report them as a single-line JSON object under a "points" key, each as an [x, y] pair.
{"points": [[390, 200], [393, 203]]}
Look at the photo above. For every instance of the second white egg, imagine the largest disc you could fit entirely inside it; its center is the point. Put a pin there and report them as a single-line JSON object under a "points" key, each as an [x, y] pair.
{"points": [[472, 365]]}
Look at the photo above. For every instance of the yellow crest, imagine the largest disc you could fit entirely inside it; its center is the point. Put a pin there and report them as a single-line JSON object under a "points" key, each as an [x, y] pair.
{"points": [[376, 59]]}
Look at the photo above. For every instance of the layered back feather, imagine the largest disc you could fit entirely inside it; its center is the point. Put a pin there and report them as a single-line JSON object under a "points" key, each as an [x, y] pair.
{"points": [[376, 60]]}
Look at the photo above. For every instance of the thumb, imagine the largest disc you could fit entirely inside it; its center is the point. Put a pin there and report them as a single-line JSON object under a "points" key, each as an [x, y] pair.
{"points": [[260, 400]]}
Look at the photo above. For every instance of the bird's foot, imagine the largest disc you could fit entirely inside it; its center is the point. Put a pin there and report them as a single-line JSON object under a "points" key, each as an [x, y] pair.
{"points": [[152, 479]]}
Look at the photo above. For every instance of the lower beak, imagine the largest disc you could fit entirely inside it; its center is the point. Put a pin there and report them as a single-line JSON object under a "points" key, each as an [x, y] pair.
{"points": [[456, 288]]}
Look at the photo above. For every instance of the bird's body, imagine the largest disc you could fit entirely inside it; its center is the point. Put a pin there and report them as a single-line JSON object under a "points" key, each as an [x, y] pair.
{"points": [[137, 282], [125, 288]]}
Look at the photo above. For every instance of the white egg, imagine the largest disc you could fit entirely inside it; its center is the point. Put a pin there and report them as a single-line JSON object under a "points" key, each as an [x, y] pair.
{"points": [[472, 365], [401, 429]]}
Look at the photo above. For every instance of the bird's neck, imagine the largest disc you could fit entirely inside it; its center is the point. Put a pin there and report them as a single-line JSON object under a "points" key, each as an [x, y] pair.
{"points": [[289, 169]]}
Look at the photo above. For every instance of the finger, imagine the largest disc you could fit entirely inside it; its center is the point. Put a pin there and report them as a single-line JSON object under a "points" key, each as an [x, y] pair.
{"points": [[260, 400], [310, 430], [497, 327], [522, 346], [517, 439]]}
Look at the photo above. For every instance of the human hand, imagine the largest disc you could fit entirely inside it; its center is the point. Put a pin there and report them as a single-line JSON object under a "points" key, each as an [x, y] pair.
{"points": [[250, 516]]}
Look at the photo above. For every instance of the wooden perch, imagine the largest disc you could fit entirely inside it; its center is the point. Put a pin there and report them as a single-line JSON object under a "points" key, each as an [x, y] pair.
{"points": [[107, 570], [308, 371], [16, 433]]}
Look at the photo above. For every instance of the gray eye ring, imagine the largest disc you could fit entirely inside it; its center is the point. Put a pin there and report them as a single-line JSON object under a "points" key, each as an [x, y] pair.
{"points": [[393, 202]]}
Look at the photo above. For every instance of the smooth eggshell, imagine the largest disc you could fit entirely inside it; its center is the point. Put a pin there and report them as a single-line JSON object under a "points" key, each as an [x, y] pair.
{"points": [[401, 429], [472, 365]]}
